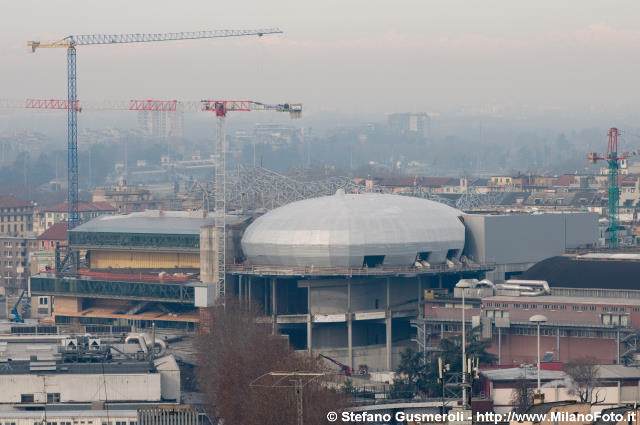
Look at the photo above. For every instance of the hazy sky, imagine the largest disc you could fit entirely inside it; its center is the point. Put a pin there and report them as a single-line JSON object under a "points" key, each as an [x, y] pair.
{"points": [[351, 56]]}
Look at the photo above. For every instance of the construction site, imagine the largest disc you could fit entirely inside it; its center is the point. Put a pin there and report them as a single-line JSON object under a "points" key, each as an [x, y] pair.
{"points": [[109, 293]]}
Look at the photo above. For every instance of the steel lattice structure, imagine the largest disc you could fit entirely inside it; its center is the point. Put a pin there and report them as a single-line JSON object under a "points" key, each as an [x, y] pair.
{"points": [[255, 188]]}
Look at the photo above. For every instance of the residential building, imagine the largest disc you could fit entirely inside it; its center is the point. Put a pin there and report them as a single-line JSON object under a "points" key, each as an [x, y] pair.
{"points": [[16, 216], [48, 216], [53, 236], [14, 261], [128, 198], [418, 123]]}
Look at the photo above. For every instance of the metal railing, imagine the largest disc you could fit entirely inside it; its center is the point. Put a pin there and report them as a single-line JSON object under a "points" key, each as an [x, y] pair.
{"points": [[349, 271]]}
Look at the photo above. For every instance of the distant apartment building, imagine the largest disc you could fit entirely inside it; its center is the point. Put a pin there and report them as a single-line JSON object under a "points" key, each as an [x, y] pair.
{"points": [[418, 123], [48, 216], [16, 216], [128, 198], [161, 124], [14, 260]]}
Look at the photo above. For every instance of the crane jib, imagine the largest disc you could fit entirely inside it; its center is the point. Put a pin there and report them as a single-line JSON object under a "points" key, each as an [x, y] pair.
{"points": [[89, 39]]}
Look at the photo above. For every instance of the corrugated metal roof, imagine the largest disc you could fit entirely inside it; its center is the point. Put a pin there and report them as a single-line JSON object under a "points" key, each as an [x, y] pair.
{"points": [[154, 222]]}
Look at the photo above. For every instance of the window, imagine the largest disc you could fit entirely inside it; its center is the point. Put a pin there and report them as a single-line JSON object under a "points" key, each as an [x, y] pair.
{"points": [[563, 307], [592, 307], [534, 306], [505, 305], [525, 305], [373, 260], [636, 309], [26, 398], [614, 308], [54, 398], [516, 306], [554, 307], [605, 308], [546, 306]]}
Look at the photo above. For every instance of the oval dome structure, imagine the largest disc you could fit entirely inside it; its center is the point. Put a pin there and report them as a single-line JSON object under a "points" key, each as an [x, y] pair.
{"points": [[353, 230]]}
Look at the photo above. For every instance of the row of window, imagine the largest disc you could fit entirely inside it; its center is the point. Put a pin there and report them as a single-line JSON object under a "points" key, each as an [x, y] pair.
{"points": [[563, 307], [18, 209], [15, 228], [78, 423], [575, 333], [18, 253], [29, 398], [6, 218]]}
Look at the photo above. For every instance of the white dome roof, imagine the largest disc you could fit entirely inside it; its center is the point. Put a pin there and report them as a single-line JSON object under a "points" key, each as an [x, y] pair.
{"points": [[340, 230]]}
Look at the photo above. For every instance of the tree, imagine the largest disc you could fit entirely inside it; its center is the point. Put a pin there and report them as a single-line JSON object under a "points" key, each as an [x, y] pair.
{"points": [[584, 373], [522, 395], [414, 377], [234, 350]]}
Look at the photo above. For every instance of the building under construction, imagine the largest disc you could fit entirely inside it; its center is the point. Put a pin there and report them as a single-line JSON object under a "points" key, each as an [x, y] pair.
{"points": [[342, 275], [137, 269]]}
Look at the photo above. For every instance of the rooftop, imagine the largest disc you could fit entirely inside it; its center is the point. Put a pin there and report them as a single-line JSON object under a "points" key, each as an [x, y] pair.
{"points": [[21, 367], [57, 232], [82, 207], [606, 372], [10, 201], [612, 273], [561, 299], [154, 222]]}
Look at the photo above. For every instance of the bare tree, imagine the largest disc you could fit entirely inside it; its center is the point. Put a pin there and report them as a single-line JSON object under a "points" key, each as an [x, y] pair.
{"points": [[234, 349], [584, 373], [522, 395]]}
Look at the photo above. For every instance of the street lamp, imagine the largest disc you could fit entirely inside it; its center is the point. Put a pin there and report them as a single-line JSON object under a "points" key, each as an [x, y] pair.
{"points": [[537, 319], [464, 284]]}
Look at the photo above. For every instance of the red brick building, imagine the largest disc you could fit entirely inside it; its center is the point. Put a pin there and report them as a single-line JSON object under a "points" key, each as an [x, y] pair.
{"points": [[577, 326]]}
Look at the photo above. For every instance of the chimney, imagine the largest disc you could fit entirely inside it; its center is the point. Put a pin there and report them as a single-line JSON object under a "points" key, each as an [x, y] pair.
{"points": [[538, 398]]}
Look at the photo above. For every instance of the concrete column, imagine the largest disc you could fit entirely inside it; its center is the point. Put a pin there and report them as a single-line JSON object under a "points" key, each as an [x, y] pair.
{"points": [[265, 304], [309, 336], [619, 392], [440, 281], [240, 288], [249, 292], [558, 342], [349, 327], [389, 339], [499, 346], [309, 320], [618, 348], [420, 294], [274, 303]]}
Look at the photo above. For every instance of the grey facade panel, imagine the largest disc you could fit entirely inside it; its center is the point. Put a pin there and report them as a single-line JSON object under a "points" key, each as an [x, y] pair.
{"points": [[581, 230], [340, 230], [527, 238]]}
